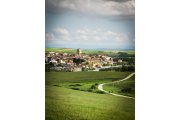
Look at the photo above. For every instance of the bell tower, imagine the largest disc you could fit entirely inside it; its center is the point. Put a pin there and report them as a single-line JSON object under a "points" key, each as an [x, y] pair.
{"points": [[79, 52]]}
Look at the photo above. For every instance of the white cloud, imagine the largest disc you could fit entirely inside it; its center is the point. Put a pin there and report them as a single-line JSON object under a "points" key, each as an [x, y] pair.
{"points": [[49, 36], [87, 35], [94, 7], [58, 34], [116, 8], [62, 31], [121, 37], [100, 35]]}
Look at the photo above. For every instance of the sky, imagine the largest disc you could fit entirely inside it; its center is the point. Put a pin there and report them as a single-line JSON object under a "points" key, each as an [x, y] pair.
{"points": [[90, 24]]}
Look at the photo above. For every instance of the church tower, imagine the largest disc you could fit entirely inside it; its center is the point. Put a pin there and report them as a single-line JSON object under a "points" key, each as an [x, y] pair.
{"points": [[79, 52]]}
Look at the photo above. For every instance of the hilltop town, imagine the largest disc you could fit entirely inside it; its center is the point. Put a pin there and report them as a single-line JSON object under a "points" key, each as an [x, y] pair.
{"points": [[74, 62]]}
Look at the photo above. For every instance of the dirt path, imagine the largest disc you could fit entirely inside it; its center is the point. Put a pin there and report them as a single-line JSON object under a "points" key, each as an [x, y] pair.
{"points": [[100, 86]]}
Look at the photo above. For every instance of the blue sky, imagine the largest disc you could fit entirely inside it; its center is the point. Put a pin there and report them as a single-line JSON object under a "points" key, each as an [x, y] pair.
{"points": [[90, 24]]}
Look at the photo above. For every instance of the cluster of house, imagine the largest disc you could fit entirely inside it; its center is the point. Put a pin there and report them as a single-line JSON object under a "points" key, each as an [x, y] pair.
{"points": [[77, 62]]}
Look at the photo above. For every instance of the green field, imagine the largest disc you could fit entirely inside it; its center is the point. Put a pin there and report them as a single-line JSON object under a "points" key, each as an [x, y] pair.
{"points": [[119, 86], [100, 52], [60, 50], [65, 103]]}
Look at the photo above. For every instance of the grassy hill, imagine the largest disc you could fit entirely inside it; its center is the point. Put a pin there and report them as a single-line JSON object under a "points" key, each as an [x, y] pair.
{"points": [[64, 103], [111, 53], [120, 86], [60, 50]]}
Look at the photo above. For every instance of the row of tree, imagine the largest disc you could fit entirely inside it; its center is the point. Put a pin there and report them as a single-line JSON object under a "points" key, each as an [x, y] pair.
{"points": [[130, 68]]}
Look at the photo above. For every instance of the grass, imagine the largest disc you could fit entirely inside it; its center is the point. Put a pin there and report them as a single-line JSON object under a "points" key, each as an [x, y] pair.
{"points": [[122, 87], [99, 52], [82, 77], [65, 103], [60, 50], [132, 52]]}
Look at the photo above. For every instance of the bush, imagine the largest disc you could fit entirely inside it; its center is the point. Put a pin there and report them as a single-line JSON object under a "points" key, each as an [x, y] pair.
{"points": [[124, 68], [96, 84], [126, 90], [78, 84], [128, 68], [57, 85], [90, 90], [47, 68], [75, 88], [93, 87], [111, 91], [100, 92], [75, 85], [84, 69]]}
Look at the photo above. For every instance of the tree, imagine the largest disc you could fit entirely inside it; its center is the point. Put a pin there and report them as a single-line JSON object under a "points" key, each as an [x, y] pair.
{"points": [[78, 60]]}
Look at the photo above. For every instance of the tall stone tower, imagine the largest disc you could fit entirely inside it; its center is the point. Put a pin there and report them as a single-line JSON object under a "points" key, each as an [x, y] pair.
{"points": [[79, 52]]}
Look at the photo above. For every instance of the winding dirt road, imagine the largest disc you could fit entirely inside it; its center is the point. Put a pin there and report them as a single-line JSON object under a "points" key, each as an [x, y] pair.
{"points": [[100, 86]]}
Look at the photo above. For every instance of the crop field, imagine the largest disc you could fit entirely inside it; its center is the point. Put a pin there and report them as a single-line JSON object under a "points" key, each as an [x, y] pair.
{"points": [[70, 96], [126, 87]]}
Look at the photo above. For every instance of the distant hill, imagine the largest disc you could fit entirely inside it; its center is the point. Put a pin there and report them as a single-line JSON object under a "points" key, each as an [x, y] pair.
{"points": [[110, 52]]}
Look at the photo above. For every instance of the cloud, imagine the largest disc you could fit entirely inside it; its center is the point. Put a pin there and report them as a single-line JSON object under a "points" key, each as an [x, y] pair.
{"points": [[61, 31], [58, 34], [105, 8], [101, 35], [49, 36], [85, 37]]}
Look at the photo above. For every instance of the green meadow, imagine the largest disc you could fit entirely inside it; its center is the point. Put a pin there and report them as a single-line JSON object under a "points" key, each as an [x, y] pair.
{"points": [[99, 52], [118, 87], [70, 96]]}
